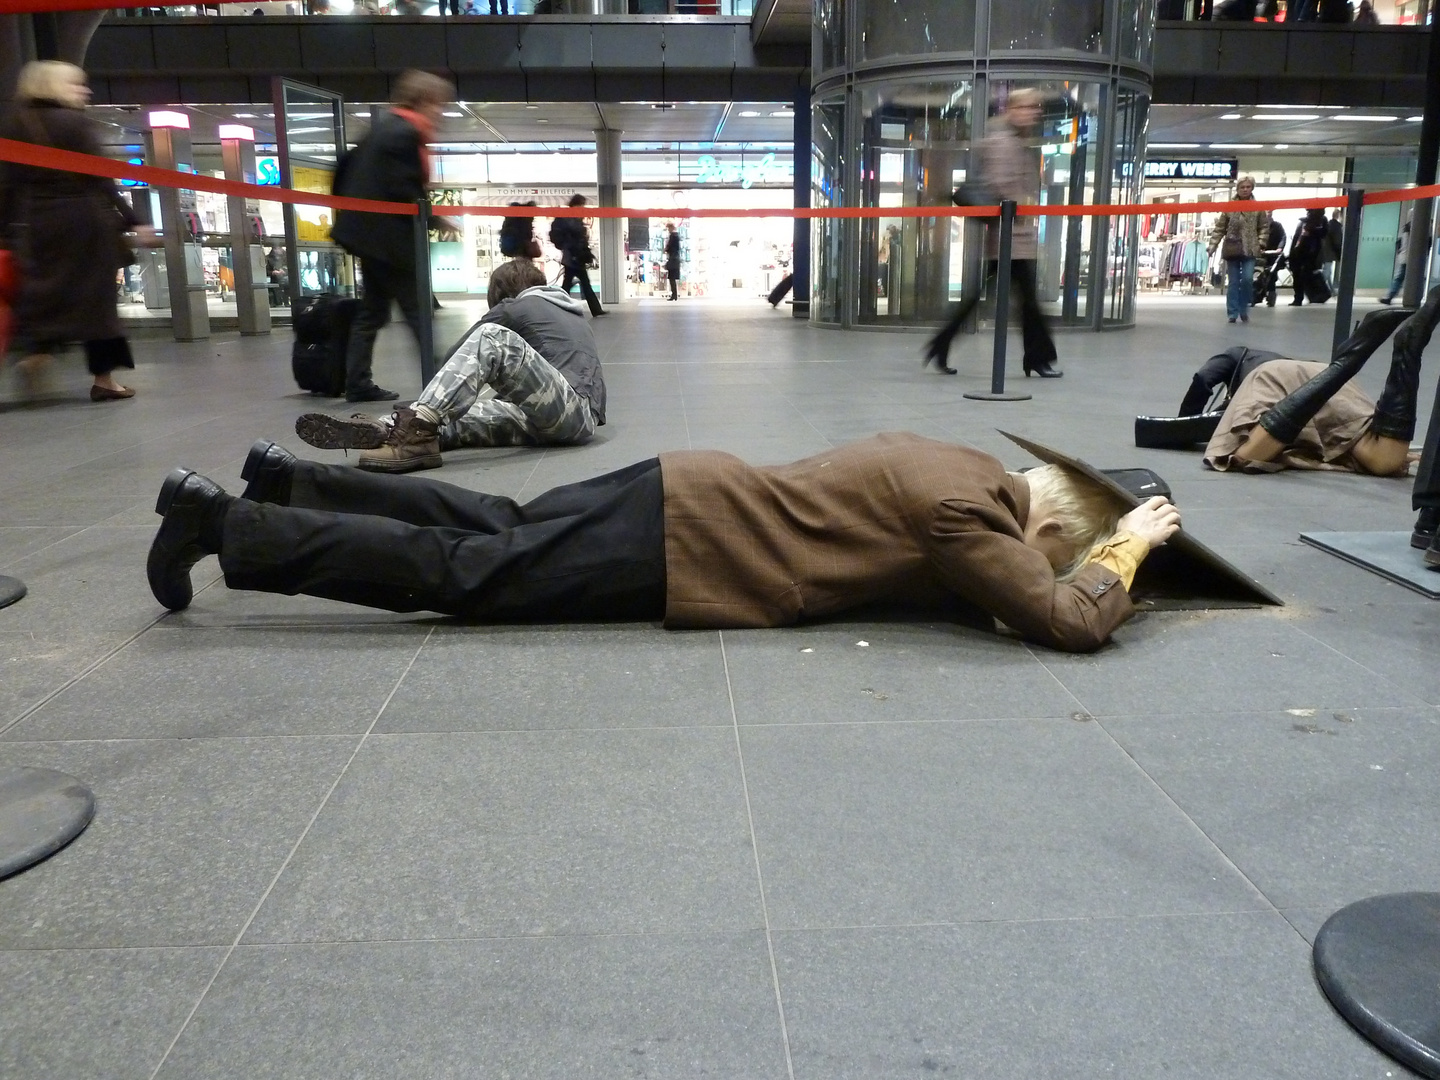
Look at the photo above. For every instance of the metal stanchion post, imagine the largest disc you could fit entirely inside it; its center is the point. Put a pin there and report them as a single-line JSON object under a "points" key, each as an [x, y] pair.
{"points": [[1349, 256], [1002, 312], [424, 298]]}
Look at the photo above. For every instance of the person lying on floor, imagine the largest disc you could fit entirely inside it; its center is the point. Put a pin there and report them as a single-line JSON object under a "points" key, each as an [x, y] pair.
{"points": [[698, 538], [1295, 414], [534, 348]]}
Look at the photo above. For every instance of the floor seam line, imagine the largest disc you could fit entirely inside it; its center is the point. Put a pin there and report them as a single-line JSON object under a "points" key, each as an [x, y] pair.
{"points": [[759, 876], [264, 896]]}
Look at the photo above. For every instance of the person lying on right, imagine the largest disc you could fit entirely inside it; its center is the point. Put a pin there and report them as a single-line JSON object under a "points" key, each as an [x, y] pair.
{"points": [[1293, 414]]}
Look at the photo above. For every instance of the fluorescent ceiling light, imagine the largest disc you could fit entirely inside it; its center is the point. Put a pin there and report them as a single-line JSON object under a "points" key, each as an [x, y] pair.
{"points": [[532, 106], [166, 119], [1233, 116], [244, 116], [453, 114], [783, 112], [749, 112], [1236, 145], [1413, 119], [1372, 119], [1283, 106], [1286, 116], [364, 114], [1282, 146], [541, 120], [237, 131], [1174, 146]]}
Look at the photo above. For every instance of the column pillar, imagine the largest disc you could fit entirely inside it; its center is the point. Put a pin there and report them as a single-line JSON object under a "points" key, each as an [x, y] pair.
{"points": [[800, 255], [612, 253], [247, 261], [167, 146]]}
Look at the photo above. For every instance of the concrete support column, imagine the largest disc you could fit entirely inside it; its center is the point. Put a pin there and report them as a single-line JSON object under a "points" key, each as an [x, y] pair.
{"points": [[167, 146], [800, 257], [247, 260], [612, 251]]}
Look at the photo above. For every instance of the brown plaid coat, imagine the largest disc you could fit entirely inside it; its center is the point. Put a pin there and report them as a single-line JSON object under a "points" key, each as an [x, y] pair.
{"points": [[894, 518]]}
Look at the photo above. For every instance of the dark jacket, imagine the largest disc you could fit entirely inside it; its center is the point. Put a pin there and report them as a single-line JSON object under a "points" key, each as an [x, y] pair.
{"points": [[569, 235], [1334, 242], [1306, 249], [65, 230], [893, 519], [672, 251], [553, 324], [387, 165], [516, 236]]}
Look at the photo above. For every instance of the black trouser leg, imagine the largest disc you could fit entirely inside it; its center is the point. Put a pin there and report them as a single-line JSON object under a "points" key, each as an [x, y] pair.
{"points": [[674, 276], [586, 551], [1427, 477], [1039, 347], [104, 355], [938, 347], [377, 278], [1395, 408], [587, 292]]}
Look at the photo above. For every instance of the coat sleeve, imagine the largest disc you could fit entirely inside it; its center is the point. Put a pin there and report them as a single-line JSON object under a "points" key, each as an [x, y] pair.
{"points": [[977, 556], [1218, 231]]}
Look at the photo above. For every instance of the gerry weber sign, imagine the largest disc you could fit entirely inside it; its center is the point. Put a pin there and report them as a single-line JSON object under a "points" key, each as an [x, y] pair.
{"points": [[1208, 169]]}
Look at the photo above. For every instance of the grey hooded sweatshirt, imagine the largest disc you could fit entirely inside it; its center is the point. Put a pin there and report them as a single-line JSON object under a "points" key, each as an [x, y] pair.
{"points": [[554, 324]]}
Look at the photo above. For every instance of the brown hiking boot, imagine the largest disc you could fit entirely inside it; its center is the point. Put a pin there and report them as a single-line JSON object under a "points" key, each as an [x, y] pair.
{"points": [[358, 432], [411, 444]]}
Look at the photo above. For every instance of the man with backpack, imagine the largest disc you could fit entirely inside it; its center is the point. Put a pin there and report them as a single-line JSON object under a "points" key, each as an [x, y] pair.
{"points": [[391, 164], [569, 235]]}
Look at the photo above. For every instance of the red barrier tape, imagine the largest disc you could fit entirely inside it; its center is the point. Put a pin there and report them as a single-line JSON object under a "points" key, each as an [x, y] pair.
{"points": [[45, 157]]}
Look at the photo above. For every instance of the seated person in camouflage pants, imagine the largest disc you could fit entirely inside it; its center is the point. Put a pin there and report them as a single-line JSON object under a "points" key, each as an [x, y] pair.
{"points": [[534, 349]]}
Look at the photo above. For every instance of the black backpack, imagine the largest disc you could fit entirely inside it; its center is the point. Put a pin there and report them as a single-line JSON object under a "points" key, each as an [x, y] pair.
{"points": [[322, 336]]}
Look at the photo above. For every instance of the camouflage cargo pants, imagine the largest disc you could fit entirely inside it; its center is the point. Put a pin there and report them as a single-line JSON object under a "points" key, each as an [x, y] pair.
{"points": [[533, 403]]}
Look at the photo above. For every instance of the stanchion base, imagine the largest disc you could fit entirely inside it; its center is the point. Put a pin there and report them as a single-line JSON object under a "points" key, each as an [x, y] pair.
{"points": [[11, 589], [1004, 395], [41, 811], [1377, 961]]}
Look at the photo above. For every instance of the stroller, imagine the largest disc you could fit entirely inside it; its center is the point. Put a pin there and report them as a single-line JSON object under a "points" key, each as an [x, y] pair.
{"points": [[1267, 278], [1204, 403]]}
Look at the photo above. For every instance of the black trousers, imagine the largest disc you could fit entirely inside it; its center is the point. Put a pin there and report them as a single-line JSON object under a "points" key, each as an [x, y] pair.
{"points": [[385, 283], [1039, 348], [577, 272], [672, 271], [588, 551], [1426, 493]]}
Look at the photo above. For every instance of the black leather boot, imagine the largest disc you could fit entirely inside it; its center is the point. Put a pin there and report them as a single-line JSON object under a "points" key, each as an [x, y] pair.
{"points": [[1288, 417], [267, 472], [193, 508], [1426, 524], [1395, 411]]}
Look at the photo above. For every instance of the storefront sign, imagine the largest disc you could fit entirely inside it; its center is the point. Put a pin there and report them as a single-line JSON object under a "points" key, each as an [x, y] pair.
{"points": [[745, 173], [1197, 169]]}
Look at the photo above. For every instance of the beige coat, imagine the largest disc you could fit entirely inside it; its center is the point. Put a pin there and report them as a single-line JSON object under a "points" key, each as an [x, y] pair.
{"points": [[1011, 170], [895, 518], [1252, 226], [1324, 443]]}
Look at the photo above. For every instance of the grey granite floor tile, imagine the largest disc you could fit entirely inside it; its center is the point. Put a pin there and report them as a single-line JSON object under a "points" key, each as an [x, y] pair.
{"points": [[1166, 662], [1193, 998], [1398, 639], [434, 836], [96, 1012], [175, 683], [915, 823], [186, 837], [1318, 810], [598, 1007], [824, 674], [509, 678], [18, 541]]}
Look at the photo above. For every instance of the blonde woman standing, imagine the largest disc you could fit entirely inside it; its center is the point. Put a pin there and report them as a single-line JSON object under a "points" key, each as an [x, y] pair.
{"points": [[66, 232], [1240, 236]]}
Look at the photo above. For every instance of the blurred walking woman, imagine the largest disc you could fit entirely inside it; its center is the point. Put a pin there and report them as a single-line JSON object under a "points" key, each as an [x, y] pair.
{"points": [[65, 232]]}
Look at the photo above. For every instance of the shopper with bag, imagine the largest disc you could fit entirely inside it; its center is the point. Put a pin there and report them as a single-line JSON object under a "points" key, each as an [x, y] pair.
{"points": [[570, 236], [1240, 236], [1306, 256], [65, 235], [517, 235]]}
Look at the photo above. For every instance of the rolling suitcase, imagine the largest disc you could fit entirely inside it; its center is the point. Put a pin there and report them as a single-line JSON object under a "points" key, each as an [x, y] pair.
{"points": [[322, 335]]}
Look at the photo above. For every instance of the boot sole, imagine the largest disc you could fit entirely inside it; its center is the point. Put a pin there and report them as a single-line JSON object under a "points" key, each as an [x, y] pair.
{"points": [[430, 461], [332, 433]]}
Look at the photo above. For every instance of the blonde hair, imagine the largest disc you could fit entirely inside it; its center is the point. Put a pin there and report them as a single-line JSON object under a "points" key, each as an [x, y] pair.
{"points": [[1087, 513], [46, 80]]}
